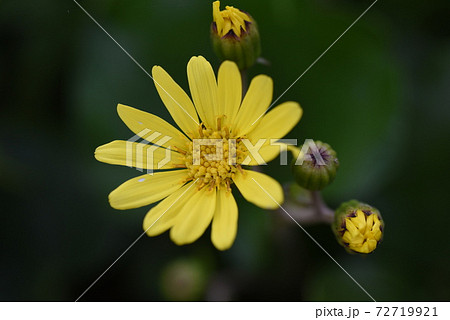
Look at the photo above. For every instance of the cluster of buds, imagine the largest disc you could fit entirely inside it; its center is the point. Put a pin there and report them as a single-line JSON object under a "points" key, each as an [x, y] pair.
{"points": [[357, 226]]}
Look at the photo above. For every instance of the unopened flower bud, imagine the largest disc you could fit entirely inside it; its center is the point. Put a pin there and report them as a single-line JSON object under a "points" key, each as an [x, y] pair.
{"points": [[315, 165], [358, 227], [235, 36]]}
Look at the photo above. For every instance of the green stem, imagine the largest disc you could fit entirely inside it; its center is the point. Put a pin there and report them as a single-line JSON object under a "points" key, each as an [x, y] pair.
{"points": [[308, 209], [322, 210]]}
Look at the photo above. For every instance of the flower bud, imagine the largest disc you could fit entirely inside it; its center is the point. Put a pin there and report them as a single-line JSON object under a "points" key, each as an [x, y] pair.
{"points": [[235, 36], [358, 227], [315, 165]]}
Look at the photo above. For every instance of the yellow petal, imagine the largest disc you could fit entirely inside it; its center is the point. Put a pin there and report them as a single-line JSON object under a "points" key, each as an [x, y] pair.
{"points": [[194, 217], [162, 217], [357, 240], [359, 221], [273, 126], [377, 234], [138, 155], [203, 86], [225, 221], [146, 189], [227, 26], [347, 237], [351, 228], [255, 104], [229, 91], [176, 101], [277, 122], [294, 150], [147, 124], [371, 245], [369, 223], [259, 189], [268, 153], [237, 22], [217, 17], [377, 223]]}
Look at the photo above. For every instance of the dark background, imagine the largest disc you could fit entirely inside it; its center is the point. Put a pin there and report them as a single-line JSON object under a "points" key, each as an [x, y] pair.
{"points": [[380, 97]]}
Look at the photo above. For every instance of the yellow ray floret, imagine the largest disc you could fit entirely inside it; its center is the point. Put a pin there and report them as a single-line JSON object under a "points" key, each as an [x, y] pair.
{"points": [[362, 232], [197, 166], [230, 19]]}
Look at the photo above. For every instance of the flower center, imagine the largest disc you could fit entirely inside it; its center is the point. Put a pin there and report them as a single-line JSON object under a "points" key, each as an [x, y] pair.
{"points": [[230, 19], [362, 231], [214, 157]]}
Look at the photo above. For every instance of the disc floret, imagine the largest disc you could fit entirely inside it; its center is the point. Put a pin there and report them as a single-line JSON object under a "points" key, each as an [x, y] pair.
{"points": [[214, 157]]}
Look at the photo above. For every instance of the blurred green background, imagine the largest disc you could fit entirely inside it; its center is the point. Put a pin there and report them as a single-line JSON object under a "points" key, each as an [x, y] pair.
{"points": [[380, 97]]}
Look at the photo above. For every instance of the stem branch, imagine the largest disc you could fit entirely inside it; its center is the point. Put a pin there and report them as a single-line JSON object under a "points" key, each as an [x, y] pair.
{"points": [[310, 209]]}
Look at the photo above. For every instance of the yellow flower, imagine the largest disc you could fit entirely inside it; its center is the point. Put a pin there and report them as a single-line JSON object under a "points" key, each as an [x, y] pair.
{"points": [[230, 19], [196, 192], [362, 232], [358, 227], [235, 36]]}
